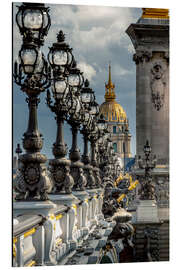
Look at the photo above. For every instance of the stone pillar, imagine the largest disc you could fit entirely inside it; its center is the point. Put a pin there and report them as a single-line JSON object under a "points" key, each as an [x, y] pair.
{"points": [[150, 38]]}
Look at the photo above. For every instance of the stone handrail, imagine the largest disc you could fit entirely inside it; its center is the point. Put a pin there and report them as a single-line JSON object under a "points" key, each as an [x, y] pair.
{"points": [[24, 223]]}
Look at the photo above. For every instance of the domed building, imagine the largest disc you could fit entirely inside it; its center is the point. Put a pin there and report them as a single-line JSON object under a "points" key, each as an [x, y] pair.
{"points": [[117, 121]]}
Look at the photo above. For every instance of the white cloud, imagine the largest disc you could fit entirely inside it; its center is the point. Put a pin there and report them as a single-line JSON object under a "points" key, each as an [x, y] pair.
{"points": [[88, 70]]}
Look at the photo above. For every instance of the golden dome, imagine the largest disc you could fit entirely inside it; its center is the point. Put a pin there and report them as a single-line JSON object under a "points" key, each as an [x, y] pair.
{"points": [[112, 111]]}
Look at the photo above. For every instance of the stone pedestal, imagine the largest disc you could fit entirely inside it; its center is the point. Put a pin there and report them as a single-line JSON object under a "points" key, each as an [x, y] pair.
{"points": [[160, 176], [83, 196], [100, 193], [70, 224], [92, 206], [147, 212]]}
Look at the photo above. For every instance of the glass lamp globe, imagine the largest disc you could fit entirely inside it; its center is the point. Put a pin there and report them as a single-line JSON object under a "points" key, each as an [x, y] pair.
{"points": [[31, 59], [94, 108], [33, 21], [60, 55], [147, 148], [101, 123], [60, 89], [87, 94], [75, 77]]}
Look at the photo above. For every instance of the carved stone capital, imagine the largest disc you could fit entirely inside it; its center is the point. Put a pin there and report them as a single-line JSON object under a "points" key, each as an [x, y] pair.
{"points": [[142, 56]]}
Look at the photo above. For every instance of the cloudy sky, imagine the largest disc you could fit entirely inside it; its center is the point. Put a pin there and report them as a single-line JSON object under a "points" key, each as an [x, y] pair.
{"points": [[97, 36]]}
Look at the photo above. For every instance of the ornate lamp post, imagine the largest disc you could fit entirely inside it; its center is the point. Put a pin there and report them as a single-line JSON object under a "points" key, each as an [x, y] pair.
{"points": [[94, 111], [18, 150], [32, 74], [147, 187], [87, 97], [60, 59], [94, 136], [74, 119]]}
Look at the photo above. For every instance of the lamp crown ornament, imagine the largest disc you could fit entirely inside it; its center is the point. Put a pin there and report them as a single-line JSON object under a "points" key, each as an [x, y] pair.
{"points": [[86, 84], [60, 36], [18, 149]]}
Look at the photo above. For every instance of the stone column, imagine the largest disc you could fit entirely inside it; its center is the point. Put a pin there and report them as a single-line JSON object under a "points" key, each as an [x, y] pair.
{"points": [[151, 42]]}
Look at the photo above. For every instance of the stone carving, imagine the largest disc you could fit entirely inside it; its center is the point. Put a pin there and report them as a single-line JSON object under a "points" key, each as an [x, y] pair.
{"points": [[60, 174], [157, 85], [97, 176], [162, 192], [151, 246], [32, 180], [78, 176], [32, 173], [147, 190], [142, 56], [88, 172]]}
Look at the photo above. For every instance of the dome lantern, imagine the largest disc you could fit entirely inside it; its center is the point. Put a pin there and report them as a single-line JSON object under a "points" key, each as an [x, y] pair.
{"points": [[111, 110]]}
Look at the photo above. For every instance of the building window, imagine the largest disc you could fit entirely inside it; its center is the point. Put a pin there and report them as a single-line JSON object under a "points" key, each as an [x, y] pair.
{"points": [[114, 129], [115, 147]]}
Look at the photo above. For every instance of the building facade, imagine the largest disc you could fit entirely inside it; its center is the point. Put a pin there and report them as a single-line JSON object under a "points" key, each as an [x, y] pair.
{"points": [[117, 121]]}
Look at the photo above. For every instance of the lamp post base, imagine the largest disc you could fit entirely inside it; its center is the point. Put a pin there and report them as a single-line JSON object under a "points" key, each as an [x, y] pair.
{"points": [[32, 182], [78, 176], [60, 172], [147, 211]]}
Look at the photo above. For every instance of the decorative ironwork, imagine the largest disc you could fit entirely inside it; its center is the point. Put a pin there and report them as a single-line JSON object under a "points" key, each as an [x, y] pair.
{"points": [[32, 74], [147, 190], [151, 244]]}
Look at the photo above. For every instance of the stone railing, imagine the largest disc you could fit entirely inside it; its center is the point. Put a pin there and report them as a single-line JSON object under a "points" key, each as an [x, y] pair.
{"points": [[27, 230], [45, 234]]}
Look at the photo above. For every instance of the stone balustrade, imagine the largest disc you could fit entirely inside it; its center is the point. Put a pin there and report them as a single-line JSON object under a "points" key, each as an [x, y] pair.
{"points": [[44, 233]]}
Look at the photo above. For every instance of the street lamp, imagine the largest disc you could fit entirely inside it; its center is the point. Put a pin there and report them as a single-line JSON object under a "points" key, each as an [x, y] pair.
{"points": [[32, 74], [87, 95], [101, 123], [60, 56], [148, 164], [75, 81], [75, 78], [33, 21]]}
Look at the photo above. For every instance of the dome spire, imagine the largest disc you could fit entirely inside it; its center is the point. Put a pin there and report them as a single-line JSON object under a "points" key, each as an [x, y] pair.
{"points": [[110, 82], [110, 93]]}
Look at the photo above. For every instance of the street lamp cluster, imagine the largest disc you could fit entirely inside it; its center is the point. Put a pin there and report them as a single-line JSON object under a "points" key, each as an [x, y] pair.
{"points": [[72, 100]]}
